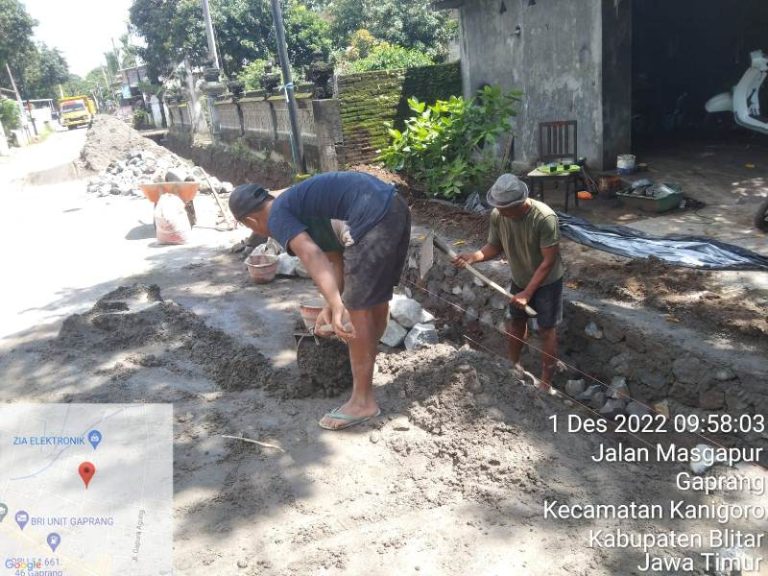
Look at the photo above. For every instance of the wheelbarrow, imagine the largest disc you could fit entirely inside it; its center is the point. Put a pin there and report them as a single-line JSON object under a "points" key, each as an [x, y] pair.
{"points": [[184, 190]]}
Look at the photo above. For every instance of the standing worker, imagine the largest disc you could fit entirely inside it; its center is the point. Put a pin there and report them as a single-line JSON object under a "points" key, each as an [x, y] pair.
{"points": [[379, 224], [528, 234]]}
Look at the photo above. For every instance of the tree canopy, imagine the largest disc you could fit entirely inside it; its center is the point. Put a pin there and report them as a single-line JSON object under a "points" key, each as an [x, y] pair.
{"points": [[16, 29], [37, 68], [173, 29]]}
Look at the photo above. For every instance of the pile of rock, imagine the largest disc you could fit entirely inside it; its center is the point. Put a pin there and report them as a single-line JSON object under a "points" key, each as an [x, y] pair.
{"points": [[125, 175], [409, 324], [608, 401]]}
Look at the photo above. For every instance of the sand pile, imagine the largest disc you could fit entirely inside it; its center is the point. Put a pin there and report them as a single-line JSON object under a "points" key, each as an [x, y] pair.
{"points": [[467, 424], [137, 319]]}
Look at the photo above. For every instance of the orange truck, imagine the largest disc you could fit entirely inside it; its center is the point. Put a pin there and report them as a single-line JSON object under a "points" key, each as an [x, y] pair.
{"points": [[76, 111]]}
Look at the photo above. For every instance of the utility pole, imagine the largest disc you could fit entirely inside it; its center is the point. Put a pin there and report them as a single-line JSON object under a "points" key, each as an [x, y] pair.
{"points": [[212, 87], [22, 111], [290, 97], [212, 52]]}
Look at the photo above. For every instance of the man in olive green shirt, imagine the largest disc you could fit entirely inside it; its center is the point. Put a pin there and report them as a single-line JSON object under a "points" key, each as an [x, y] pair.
{"points": [[528, 234]]}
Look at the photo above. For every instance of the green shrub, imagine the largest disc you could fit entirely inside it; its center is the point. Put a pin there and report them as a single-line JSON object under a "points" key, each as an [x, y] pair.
{"points": [[385, 56], [449, 146], [141, 119], [9, 114], [251, 75]]}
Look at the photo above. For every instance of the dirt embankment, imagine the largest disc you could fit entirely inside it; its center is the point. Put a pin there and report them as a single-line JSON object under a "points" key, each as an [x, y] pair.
{"points": [[235, 164]]}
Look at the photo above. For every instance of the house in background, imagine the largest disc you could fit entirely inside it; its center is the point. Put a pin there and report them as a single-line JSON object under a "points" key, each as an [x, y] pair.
{"points": [[626, 70]]}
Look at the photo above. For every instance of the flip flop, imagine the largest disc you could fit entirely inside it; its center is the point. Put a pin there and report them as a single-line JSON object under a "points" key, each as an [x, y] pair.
{"points": [[349, 421]]}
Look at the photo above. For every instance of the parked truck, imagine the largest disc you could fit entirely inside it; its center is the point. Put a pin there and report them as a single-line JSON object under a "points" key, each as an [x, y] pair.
{"points": [[76, 111]]}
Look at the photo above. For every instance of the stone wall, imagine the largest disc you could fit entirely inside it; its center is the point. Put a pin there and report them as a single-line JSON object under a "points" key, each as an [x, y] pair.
{"points": [[369, 99], [661, 362]]}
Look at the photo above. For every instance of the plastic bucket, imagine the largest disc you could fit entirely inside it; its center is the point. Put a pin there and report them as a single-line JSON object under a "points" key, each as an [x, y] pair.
{"points": [[625, 163], [309, 312], [262, 267]]}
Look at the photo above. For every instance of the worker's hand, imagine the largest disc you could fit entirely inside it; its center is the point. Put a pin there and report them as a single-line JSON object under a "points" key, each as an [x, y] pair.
{"points": [[323, 326], [464, 258], [521, 299], [342, 325]]}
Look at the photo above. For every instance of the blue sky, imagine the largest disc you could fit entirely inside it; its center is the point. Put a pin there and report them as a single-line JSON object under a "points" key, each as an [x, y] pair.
{"points": [[81, 29]]}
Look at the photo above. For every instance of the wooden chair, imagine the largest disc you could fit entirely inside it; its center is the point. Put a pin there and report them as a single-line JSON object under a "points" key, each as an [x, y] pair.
{"points": [[557, 142]]}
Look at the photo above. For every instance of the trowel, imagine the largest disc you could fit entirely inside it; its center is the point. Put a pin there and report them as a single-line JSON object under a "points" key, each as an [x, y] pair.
{"points": [[427, 260]]}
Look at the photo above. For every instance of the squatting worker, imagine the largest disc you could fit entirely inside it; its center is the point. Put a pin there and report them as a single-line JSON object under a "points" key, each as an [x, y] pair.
{"points": [[527, 232], [379, 224]]}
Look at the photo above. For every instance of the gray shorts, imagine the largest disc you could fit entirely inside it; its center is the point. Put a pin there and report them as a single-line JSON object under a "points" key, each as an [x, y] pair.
{"points": [[373, 264], [547, 301]]}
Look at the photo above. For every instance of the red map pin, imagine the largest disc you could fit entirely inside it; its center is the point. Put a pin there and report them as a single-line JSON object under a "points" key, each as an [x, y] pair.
{"points": [[86, 470]]}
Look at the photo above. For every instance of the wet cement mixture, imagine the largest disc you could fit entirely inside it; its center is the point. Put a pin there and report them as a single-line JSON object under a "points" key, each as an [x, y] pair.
{"points": [[323, 366], [138, 319]]}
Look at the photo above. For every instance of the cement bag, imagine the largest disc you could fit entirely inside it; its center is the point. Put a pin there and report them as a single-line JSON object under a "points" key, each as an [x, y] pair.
{"points": [[171, 221]]}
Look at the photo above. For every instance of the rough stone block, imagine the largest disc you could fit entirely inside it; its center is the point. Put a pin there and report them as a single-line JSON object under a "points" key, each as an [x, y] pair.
{"points": [[613, 333], [575, 387], [612, 408], [725, 374], [468, 294], [405, 310], [635, 408], [712, 399], [618, 390], [421, 336], [587, 394], [177, 174], [653, 379], [685, 393], [394, 335], [690, 370], [662, 408], [593, 331]]}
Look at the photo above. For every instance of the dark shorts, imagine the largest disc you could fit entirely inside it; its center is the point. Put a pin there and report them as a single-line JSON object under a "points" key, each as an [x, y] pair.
{"points": [[374, 263], [547, 301]]}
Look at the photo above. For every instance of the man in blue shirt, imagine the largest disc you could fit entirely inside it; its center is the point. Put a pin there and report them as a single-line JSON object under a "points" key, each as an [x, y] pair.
{"points": [[379, 234]]}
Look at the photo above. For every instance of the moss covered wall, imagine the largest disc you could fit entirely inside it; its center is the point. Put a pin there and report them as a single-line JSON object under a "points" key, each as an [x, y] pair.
{"points": [[369, 99]]}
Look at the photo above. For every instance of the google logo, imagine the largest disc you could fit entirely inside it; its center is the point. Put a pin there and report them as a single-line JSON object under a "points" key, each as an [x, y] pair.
{"points": [[21, 564]]}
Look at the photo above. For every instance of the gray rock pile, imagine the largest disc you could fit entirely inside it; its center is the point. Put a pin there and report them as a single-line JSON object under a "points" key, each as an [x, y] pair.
{"points": [[409, 324], [124, 176]]}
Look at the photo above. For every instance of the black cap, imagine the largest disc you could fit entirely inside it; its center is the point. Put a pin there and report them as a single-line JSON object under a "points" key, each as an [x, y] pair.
{"points": [[246, 199]]}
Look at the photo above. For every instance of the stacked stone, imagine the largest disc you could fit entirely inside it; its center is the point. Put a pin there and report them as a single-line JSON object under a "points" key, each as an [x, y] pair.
{"points": [[124, 176]]}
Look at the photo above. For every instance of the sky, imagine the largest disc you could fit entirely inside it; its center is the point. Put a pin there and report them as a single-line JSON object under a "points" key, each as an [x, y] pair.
{"points": [[81, 29]]}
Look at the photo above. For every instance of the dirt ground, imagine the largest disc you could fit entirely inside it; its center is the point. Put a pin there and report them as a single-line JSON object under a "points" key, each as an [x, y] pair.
{"points": [[451, 480]]}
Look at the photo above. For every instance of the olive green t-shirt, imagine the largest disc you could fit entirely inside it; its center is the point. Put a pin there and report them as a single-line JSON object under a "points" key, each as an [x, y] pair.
{"points": [[522, 241]]}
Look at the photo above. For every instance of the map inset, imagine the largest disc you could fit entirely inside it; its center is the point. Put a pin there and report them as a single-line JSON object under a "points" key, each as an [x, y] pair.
{"points": [[86, 489]]}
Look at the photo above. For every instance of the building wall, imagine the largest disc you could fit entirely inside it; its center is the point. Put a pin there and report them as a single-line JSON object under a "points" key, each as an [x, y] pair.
{"points": [[551, 50], [617, 79]]}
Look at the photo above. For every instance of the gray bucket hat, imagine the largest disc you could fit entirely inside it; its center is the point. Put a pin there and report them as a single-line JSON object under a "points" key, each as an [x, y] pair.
{"points": [[507, 191]]}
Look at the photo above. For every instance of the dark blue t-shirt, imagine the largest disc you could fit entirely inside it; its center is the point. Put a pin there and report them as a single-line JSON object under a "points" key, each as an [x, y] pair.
{"points": [[359, 199]]}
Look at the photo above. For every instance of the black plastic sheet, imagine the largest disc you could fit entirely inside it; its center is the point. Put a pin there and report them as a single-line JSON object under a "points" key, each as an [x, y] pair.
{"points": [[678, 250]]}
